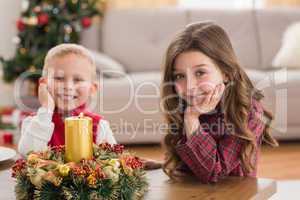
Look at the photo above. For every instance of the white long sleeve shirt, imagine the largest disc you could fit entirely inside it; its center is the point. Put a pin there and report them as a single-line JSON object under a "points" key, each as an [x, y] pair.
{"points": [[36, 132]]}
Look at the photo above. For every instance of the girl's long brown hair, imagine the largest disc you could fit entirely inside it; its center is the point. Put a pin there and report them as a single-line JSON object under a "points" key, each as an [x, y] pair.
{"points": [[211, 40]]}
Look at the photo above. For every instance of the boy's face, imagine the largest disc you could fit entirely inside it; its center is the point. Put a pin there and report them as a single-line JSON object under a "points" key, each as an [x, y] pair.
{"points": [[70, 81]]}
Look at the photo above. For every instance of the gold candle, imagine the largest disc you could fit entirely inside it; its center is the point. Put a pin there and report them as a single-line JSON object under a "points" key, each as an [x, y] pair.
{"points": [[78, 138]]}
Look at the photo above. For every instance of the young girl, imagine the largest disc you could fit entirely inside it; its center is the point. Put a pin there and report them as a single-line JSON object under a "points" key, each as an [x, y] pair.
{"points": [[216, 120]]}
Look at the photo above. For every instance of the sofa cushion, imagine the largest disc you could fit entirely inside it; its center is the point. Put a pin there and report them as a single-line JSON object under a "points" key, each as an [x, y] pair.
{"points": [[131, 105], [271, 26], [134, 93], [240, 26], [281, 90], [289, 53], [108, 66], [138, 38]]}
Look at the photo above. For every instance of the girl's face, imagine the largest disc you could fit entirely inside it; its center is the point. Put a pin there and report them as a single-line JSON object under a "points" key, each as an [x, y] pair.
{"points": [[195, 75], [70, 81]]}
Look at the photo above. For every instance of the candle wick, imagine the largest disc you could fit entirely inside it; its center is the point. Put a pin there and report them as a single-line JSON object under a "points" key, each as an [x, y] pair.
{"points": [[81, 115]]}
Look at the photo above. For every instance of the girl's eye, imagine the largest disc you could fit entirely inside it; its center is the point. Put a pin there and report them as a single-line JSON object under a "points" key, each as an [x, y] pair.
{"points": [[58, 78], [178, 77], [199, 73]]}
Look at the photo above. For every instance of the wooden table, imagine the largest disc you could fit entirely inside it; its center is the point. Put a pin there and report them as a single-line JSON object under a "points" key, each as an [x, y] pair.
{"points": [[162, 188], [239, 188]]}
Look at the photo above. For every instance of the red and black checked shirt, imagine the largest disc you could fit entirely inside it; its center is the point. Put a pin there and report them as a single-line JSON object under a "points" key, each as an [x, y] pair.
{"points": [[213, 153]]}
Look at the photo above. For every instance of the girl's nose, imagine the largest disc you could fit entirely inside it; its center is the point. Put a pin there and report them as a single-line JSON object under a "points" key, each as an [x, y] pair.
{"points": [[191, 84]]}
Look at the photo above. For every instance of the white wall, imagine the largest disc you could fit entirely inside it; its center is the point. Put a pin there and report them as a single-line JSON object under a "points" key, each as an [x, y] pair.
{"points": [[9, 13]]}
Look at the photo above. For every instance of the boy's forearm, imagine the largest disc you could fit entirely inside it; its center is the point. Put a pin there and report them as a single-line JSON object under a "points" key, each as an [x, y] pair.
{"points": [[36, 131], [29, 143], [104, 133]]}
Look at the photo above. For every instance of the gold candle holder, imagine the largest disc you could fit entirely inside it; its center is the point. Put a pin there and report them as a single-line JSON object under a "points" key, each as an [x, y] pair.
{"points": [[78, 138]]}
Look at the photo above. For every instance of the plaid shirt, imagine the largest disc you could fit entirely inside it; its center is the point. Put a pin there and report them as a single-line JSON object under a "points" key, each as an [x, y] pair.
{"points": [[213, 153]]}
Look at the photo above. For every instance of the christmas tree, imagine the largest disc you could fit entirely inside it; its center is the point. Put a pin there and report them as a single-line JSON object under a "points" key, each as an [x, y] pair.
{"points": [[44, 24]]}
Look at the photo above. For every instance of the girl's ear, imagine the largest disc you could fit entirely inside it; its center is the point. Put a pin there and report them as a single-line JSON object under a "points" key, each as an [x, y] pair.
{"points": [[225, 78]]}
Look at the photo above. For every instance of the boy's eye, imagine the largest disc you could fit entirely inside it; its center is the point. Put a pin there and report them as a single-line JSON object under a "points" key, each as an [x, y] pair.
{"points": [[78, 80], [178, 77], [58, 78]]}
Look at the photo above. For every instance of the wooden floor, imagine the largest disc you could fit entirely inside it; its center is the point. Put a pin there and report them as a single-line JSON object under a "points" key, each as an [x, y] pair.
{"points": [[281, 163]]}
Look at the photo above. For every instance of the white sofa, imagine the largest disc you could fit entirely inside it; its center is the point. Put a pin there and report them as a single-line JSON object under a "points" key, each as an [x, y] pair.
{"points": [[138, 38]]}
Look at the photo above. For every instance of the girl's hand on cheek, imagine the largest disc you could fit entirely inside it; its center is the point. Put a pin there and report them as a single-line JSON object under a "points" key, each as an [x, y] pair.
{"points": [[211, 100], [193, 112], [45, 98]]}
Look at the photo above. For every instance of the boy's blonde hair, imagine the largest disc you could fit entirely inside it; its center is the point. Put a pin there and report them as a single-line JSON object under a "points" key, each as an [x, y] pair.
{"points": [[67, 49]]}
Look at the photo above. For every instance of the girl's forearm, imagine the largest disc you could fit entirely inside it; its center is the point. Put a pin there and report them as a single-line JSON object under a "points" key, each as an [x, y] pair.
{"points": [[191, 126], [206, 159]]}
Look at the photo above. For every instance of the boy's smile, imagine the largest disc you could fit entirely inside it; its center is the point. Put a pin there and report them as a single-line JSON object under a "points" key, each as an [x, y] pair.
{"points": [[66, 97]]}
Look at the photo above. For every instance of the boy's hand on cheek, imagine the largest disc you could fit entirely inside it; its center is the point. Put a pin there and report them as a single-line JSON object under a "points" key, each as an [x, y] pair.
{"points": [[45, 98]]}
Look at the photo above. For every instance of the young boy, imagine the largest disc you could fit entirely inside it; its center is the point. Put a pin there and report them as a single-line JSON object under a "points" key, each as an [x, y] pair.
{"points": [[68, 81]]}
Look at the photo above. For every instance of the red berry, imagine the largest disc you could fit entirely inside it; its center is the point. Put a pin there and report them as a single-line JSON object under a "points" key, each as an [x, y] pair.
{"points": [[118, 148], [86, 22], [43, 19], [20, 25], [8, 138]]}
